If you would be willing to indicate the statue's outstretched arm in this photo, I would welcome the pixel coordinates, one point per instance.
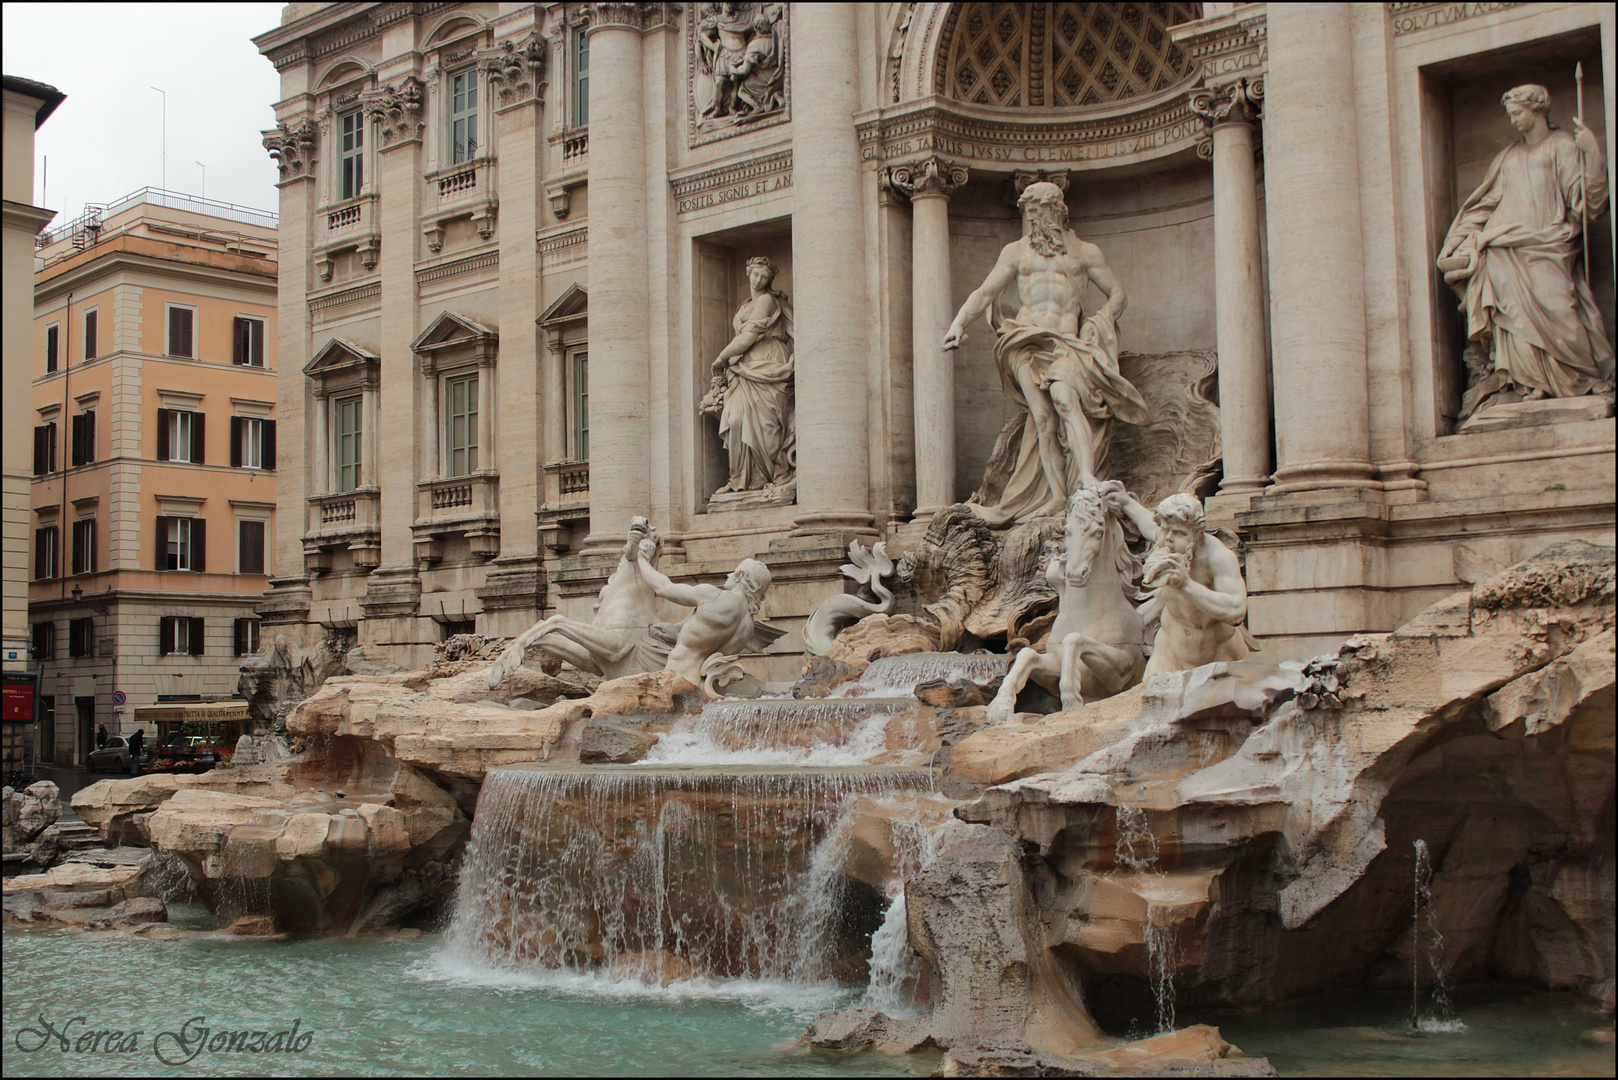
(1003, 274)
(684, 595)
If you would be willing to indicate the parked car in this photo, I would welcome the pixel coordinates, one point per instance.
(113, 756)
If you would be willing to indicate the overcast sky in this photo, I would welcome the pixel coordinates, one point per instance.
(106, 140)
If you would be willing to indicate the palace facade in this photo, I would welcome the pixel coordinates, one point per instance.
(514, 238)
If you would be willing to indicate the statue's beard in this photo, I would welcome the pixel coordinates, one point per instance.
(1046, 235)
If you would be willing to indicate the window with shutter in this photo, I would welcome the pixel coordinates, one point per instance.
(90, 335)
(180, 320)
(247, 637)
(80, 637)
(249, 342)
(44, 641)
(84, 437)
(250, 547)
(84, 546)
(196, 636)
(45, 552)
(45, 449)
(198, 442)
(53, 336)
(269, 444)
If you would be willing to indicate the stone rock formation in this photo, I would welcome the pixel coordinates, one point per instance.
(1248, 830)
(30, 827)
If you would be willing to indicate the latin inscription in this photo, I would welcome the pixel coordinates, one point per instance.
(1447, 13)
(748, 190)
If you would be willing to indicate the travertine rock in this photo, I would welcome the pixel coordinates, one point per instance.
(1261, 819)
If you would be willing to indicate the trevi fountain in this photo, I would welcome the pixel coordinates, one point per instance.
(1059, 775)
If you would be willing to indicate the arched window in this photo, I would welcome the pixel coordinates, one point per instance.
(1034, 55)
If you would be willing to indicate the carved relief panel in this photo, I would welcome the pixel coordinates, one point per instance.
(736, 61)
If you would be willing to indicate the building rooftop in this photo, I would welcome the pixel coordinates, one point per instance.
(49, 96)
(168, 215)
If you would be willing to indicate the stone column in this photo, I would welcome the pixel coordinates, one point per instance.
(929, 183)
(1317, 273)
(1244, 385)
(371, 442)
(433, 464)
(620, 411)
(828, 270)
(486, 456)
(322, 469)
(555, 397)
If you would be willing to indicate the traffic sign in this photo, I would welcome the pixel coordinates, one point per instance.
(118, 697)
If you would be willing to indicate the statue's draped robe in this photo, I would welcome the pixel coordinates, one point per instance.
(757, 424)
(1014, 483)
(1526, 295)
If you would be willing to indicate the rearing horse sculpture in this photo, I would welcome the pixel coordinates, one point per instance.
(624, 638)
(1097, 645)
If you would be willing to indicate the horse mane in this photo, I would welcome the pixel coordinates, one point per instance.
(1090, 501)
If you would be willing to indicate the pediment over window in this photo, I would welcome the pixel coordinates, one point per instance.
(451, 329)
(572, 305)
(338, 355)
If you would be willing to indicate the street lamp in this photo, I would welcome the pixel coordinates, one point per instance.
(78, 593)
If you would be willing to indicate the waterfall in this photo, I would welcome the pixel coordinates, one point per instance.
(663, 873)
(1136, 851)
(1428, 943)
(900, 675)
(824, 732)
(894, 967)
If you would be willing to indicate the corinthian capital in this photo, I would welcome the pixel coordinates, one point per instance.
(928, 177)
(1237, 103)
(632, 16)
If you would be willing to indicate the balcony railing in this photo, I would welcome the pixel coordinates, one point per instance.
(567, 490)
(466, 182)
(575, 149)
(458, 499)
(352, 519)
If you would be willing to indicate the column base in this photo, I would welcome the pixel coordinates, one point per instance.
(1319, 475)
(853, 523)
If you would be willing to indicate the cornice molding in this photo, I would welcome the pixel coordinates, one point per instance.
(1004, 140)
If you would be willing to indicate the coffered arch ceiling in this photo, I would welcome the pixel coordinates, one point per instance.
(1059, 55)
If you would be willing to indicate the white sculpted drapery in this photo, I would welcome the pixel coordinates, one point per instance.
(1063, 375)
(1519, 234)
(752, 388)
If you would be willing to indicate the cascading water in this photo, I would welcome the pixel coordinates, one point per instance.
(917, 839)
(664, 873)
(824, 732)
(900, 675)
(1137, 853)
(1427, 943)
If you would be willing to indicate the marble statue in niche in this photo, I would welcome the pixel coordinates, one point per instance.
(751, 392)
(1059, 367)
(1198, 602)
(1532, 324)
(740, 75)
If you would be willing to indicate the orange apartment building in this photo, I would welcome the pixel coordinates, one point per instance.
(153, 498)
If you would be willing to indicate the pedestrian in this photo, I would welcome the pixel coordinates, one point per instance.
(101, 736)
(137, 742)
